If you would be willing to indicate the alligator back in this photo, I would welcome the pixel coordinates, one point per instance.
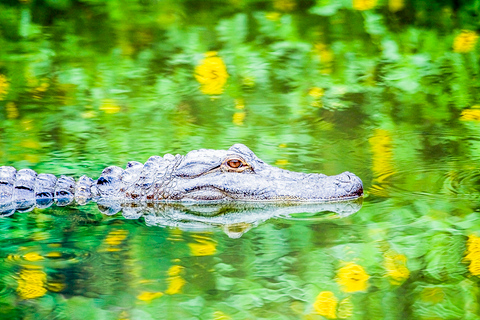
(24, 189)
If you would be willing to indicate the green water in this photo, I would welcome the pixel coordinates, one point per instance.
(388, 90)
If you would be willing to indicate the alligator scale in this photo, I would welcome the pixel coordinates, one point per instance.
(236, 174)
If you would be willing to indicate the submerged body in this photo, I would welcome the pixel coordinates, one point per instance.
(236, 174)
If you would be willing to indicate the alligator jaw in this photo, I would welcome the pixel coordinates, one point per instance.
(276, 186)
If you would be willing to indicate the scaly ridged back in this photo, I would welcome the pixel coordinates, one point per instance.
(24, 190)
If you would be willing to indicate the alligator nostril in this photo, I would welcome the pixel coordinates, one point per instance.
(350, 177)
(346, 177)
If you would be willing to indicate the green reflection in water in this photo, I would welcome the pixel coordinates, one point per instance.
(385, 89)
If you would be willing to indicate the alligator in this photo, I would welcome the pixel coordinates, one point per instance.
(236, 174)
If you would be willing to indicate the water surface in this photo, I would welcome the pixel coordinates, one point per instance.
(385, 89)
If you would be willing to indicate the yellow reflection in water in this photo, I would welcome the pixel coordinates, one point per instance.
(345, 308)
(316, 93)
(31, 283)
(381, 147)
(56, 286)
(273, 16)
(11, 109)
(473, 254)
(88, 114)
(248, 81)
(124, 315)
(326, 304)
(203, 246)
(32, 256)
(175, 235)
(149, 296)
(364, 4)
(432, 294)
(53, 254)
(175, 280)
(175, 270)
(326, 57)
(109, 106)
(114, 239)
(239, 104)
(396, 266)
(282, 162)
(465, 41)
(238, 118)
(352, 277)
(41, 89)
(30, 143)
(219, 315)
(471, 114)
(396, 5)
(284, 5)
(212, 74)
(3, 86)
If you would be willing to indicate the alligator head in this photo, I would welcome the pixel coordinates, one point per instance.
(238, 174)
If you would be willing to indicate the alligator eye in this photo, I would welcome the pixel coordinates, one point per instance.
(234, 163)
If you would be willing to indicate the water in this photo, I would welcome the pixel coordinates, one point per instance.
(387, 90)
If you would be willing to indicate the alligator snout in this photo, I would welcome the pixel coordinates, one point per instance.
(350, 183)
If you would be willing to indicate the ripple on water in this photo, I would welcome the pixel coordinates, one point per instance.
(409, 162)
(452, 180)
(463, 183)
(48, 257)
(5, 290)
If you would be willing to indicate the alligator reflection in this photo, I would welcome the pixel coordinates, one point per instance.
(234, 218)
